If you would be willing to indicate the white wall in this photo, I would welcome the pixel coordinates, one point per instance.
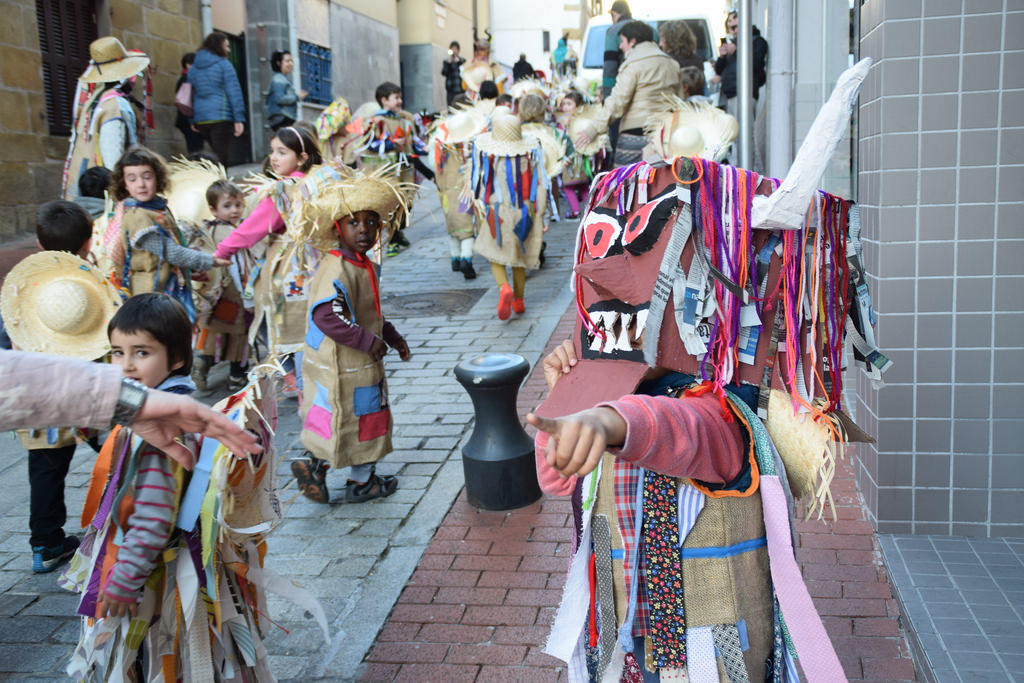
(517, 27)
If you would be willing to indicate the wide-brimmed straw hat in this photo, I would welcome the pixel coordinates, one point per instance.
(460, 126)
(475, 73)
(187, 182)
(584, 121)
(554, 149)
(527, 86)
(55, 302)
(333, 191)
(505, 138)
(692, 129)
(110, 62)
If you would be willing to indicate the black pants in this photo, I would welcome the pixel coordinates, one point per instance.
(422, 168)
(218, 134)
(47, 468)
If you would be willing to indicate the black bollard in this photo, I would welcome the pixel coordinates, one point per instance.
(498, 459)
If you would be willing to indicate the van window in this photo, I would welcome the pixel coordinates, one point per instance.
(593, 58)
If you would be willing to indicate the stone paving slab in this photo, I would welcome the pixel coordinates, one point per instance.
(355, 558)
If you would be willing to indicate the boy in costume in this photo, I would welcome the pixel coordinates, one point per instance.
(726, 314)
(346, 417)
(55, 302)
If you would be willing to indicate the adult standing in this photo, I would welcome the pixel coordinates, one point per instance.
(646, 78)
(193, 140)
(678, 42)
(282, 101)
(104, 122)
(218, 109)
(452, 72)
(522, 69)
(613, 56)
(726, 66)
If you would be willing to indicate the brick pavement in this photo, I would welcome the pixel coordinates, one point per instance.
(480, 602)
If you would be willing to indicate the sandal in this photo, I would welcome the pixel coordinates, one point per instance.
(311, 476)
(374, 487)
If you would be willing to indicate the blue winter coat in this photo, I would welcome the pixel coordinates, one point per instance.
(216, 95)
(281, 97)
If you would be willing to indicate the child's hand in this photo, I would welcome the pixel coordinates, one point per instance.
(377, 349)
(402, 348)
(108, 607)
(578, 441)
(559, 362)
(221, 262)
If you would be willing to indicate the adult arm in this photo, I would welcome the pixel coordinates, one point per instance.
(172, 252)
(612, 60)
(617, 103)
(263, 221)
(82, 393)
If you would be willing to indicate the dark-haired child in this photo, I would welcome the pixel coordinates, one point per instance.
(143, 246)
(391, 138)
(92, 188)
(61, 225)
(222, 332)
(293, 152)
(133, 498)
(345, 412)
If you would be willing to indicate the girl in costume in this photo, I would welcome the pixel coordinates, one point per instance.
(582, 161)
(346, 417)
(143, 248)
(508, 187)
(450, 149)
(279, 287)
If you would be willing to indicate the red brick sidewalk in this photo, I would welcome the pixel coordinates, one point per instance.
(479, 604)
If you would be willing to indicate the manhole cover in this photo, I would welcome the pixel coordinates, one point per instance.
(446, 302)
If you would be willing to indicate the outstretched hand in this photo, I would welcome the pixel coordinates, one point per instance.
(163, 418)
(577, 441)
(108, 607)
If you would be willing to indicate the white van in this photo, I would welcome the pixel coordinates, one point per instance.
(592, 53)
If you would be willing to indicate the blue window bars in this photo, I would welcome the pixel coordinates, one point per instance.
(315, 72)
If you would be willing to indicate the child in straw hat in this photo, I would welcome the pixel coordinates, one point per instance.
(508, 187)
(345, 412)
(55, 302)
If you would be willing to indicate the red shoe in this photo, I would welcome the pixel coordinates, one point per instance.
(518, 305)
(504, 302)
(289, 388)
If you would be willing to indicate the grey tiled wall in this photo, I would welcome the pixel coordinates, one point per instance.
(941, 156)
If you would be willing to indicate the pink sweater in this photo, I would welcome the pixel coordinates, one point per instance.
(680, 437)
(264, 220)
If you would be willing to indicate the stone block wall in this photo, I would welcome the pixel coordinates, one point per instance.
(32, 160)
(941, 180)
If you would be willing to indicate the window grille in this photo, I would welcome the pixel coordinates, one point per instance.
(315, 72)
(66, 27)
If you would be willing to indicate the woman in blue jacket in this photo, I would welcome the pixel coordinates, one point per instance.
(218, 108)
(282, 100)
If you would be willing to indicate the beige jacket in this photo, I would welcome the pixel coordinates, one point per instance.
(646, 76)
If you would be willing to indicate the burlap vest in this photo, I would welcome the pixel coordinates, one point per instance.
(85, 148)
(146, 269)
(450, 178)
(346, 417)
(509, 251)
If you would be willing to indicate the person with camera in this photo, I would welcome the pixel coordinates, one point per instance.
(451, 70)
(726, 67)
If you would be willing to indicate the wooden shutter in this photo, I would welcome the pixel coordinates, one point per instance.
(66, 27)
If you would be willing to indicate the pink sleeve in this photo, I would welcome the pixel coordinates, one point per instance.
(551, 482)
(681, 437)
(263, 221)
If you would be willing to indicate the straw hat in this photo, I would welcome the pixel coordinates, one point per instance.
(330, 192)
(692, 129)
(332, 121)
(55, 302)
(585, 121)
(476, 73)
(460, 126)
(529, 86)
(110, 62)
(187, 182)
(554, 149)
(505, 138)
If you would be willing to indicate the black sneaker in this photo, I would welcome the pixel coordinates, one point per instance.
(47, 559)
(311, 475)
(467, 269)
(400, 239)
(375, 487)
(456, 265)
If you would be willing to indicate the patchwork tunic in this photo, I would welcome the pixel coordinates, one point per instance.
(345, 412)
(512, 230)
(222, 333)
